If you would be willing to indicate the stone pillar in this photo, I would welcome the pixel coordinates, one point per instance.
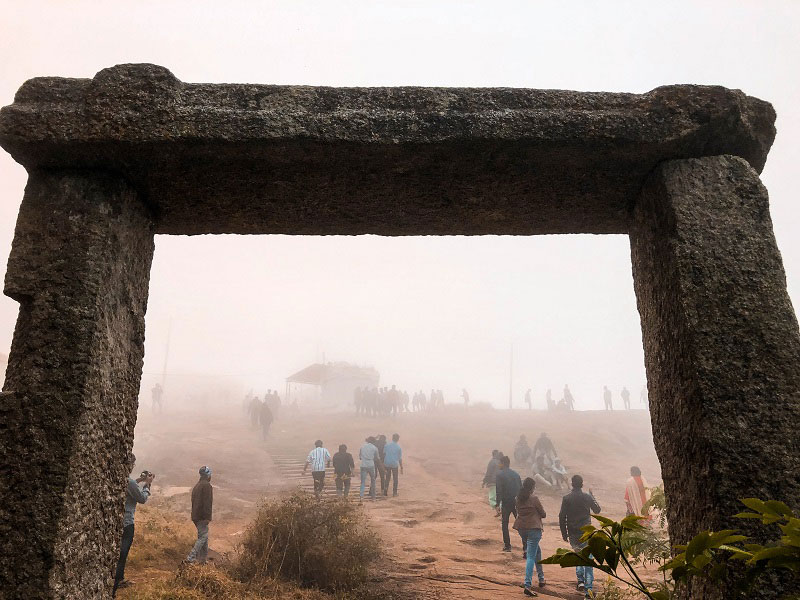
(79, 267)
(722, 349)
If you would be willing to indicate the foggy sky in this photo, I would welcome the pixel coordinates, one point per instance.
(426, 312)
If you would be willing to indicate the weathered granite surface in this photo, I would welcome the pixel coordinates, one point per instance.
(79, 267)
(396, 161)
(722, 347)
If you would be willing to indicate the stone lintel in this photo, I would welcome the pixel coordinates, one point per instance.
(236, 158)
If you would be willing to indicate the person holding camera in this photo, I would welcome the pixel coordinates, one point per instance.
(134, 495)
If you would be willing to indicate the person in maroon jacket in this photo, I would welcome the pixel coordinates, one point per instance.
(530, 513)
(202, 500)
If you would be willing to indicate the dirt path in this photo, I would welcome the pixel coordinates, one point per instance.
(439, 533)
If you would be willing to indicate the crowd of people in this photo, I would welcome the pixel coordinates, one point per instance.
(374, 402)
(378, 459)
(509, 494)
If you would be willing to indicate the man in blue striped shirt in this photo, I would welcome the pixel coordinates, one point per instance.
(318, 458)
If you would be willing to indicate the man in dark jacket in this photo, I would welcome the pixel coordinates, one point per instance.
(202, 500)
(576, 509)
(508, 485)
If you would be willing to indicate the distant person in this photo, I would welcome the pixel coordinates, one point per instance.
(380, 444)
(522, 451)
(265, 419)
(559, 473)
(551, 404)
(202, 504)
(158, 395)
(490, 478)
(318, 458)
(392, 461)
(544, 447)
(133, 495)
(626, 398)
(643, 399)
(570, 401)
(275, 405)
(529, 399)
(368, 454)
(528, 524)
(607, 398)
(254, 411)
(508, 486)
(343, 466)
(637, 493)
(576, 509)
(542, 472)
(358, 400)
(465, 396)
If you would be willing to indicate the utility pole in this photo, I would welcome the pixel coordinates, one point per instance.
(511, 378)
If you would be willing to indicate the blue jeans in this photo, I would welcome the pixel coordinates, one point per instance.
(199, 551)
(530, 541)
(585, 574)
(364, 472)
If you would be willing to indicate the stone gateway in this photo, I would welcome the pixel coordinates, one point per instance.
(133, 152)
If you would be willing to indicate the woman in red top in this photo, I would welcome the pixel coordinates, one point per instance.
(530, 513)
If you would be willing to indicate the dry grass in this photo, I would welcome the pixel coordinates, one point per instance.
(292, 549)
(326, 543)
(162, 540)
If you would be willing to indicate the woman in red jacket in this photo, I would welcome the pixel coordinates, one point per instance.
(530, 513)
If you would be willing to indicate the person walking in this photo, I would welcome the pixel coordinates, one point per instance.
(528, 524)
(343, 466)
(490, 478)
(202, 503)
(368, 454)
(637, 493)
(576, 509)
(607, 398)
(318, 458)
(626, 398)
(133, 495)
(393, 460)
(508, 486)
(380, 468)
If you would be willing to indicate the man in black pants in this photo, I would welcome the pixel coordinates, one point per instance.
(508, 486)
(133, 495)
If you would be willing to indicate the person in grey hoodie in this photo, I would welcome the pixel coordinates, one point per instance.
(133, 495)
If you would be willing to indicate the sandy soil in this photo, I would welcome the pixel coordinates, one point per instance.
(440, 531)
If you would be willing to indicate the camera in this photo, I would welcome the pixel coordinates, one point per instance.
(146, 474)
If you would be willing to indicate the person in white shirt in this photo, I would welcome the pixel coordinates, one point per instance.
(318, 458)
(368, 455)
